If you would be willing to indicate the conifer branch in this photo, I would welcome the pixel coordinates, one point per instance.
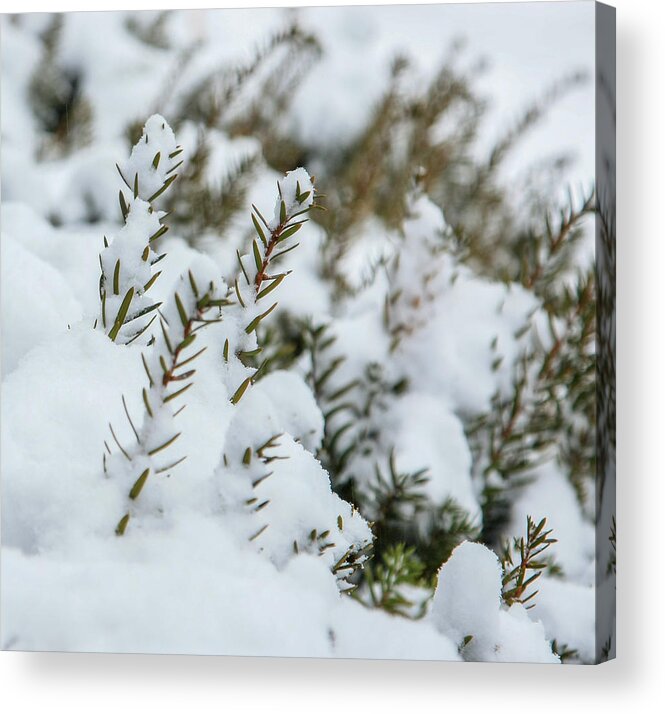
(295, 198)
(397, 583)
(122, 289)
(522, 557)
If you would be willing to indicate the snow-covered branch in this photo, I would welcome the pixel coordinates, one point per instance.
(127, 260)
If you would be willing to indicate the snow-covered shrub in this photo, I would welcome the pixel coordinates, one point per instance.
(301, 512)
(279, 429)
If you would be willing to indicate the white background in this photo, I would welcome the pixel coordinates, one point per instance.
(124, 683)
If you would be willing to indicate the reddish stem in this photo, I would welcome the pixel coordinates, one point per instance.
(274, 239)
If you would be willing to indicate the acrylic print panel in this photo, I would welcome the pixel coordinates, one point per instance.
(308, 326)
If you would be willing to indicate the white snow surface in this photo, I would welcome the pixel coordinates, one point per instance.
(467, 603)
(196, 607)
(156, 145)
(550, 493)
(50, 302)
(296, 192)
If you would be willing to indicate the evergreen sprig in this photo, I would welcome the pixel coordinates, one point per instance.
(397, 583)
(351, 564)
(395, 497)
(334, 399)
(443, 528)
(352, 561)
(401, 512)
(372, 175)
(350, 408)
(272, 242)
(546, 251)
(522, 565)
(123, 285)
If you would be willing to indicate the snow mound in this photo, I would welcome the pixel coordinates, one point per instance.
(151, 161)
(467, 604)
(37, 303)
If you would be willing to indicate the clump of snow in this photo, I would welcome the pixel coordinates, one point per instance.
(53, 487)
(127, 269)
(418, 273)
(37, 303)
(296, 192)
(151, 163)
(467, 604)
(466, 317)
(128, 246)
(283, 481)
(429, 435)
(300, 414)
(567, 611)
(425, 222)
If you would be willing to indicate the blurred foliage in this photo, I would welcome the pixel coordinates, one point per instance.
(150, 29)
(397, 583)
(241, 101)
(63, 113)
(550, 412)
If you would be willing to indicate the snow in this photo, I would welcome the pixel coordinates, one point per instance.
(300, 415)
(72, 251)
(156, 145)
(429, 435)
(467, 602)
(197, 608)
(567, 611)
(17, 119)
(79, 552)
(53, 490)
(296, 191)
(142, 222)
(551, 494)
(469, 315)
(33, 312)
